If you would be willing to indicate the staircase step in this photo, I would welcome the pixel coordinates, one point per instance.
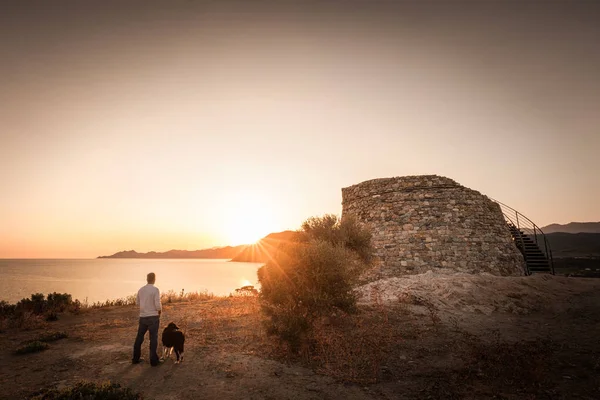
(534, 250)
(528, 244)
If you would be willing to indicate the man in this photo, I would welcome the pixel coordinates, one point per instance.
(148, 299)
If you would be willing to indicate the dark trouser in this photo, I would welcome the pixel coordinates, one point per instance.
(147, 324)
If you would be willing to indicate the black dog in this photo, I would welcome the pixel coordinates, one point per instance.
(173, 338)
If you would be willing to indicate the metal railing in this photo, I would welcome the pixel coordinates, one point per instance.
(528, 228)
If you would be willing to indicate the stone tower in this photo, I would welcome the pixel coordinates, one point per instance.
(430, 222)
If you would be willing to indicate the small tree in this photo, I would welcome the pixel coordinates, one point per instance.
(314, 276)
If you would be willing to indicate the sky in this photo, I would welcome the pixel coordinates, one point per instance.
(192, 124)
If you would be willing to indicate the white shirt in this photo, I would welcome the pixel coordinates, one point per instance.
(148, 298)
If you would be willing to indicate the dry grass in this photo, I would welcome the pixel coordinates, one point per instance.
(53, 336)
(32, 347)
(25, 321)
(166, 298)
(174, 297)
(353, 348)
(231, 321)
(524, 367)
(407, 346)
(350, 348)
(89, 390)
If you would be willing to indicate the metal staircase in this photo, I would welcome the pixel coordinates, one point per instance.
(530, 240)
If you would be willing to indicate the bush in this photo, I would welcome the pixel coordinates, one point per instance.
(6, 309)
(314, 277)
(59, 302)
(89, 390)
(346, 232)
(28, 313)
(51, 316)
(38, 305)
(248, 290)
(32, 347)
(51, 337)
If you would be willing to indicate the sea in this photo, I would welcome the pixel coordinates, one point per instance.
(93, 280)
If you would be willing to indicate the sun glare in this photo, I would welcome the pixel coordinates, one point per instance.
(245, 282)
(248, 219)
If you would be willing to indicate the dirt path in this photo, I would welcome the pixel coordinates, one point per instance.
(228, 355)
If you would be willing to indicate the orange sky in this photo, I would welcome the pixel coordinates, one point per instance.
(186, 125)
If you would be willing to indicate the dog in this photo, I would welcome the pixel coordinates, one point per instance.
(173, 339)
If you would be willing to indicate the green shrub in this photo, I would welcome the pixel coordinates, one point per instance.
(6, 309)
(59, 301)
(346, 232)
(75, 306)
(51, 337)
(313, 277)
(32, 347)
(28, 313)
(51, 316)
(89, 390)
(38, 304)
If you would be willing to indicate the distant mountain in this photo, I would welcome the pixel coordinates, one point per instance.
(218, 252)
(573, 227)
(574, 244)
(261, 250)
(257, 252)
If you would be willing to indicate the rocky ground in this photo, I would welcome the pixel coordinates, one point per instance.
(419, 337)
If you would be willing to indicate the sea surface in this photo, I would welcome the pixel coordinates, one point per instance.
(103, 279)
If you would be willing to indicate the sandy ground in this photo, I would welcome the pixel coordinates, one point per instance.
(466, 295)
(443, 327)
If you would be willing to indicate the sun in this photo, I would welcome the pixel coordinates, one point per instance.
(249, 218)
(246, 232)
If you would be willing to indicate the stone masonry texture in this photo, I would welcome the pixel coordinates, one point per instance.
(430, 222)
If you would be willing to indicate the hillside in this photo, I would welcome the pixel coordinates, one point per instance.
(218, 252)
(574, 244)
(257, 252)
(573, 227)
(260, 251)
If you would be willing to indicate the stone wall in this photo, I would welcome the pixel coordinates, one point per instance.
(430, 222)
